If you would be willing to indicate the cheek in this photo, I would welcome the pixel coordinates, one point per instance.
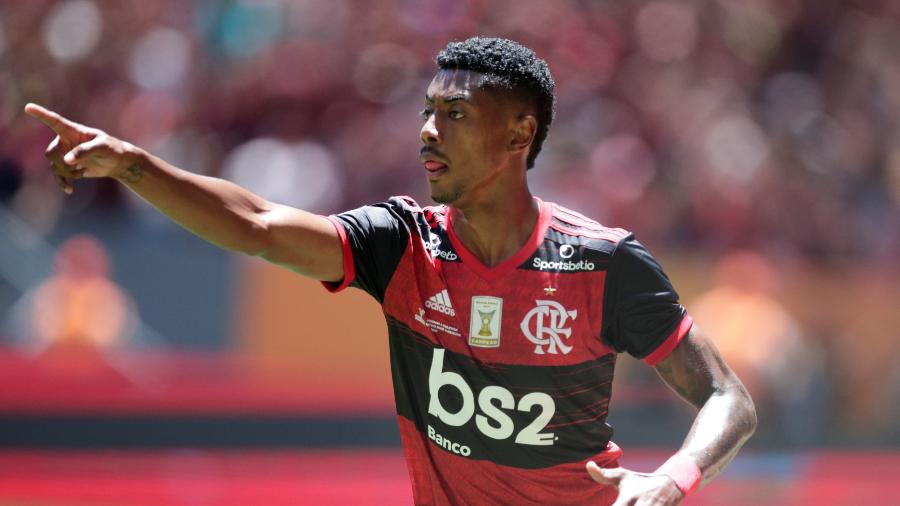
(494, 142)
(484, 135)
(481, 143)
(496, 133)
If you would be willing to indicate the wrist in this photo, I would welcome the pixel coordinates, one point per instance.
(132, 166)
(683, 471)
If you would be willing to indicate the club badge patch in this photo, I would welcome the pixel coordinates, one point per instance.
(549, 319)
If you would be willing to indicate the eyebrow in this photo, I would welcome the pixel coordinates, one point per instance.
(464, 97)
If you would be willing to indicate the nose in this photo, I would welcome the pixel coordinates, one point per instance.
(429, 133)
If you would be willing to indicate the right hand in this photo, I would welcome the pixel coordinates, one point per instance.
(80, 151)
(640, 489)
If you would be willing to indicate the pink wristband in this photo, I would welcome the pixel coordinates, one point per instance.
(683, 471)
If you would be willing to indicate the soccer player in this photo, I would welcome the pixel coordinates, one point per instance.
(505, 313)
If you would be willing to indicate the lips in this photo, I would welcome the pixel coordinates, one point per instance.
(434, 166)
(435, 163)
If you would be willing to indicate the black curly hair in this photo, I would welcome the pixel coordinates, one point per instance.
(507, 65)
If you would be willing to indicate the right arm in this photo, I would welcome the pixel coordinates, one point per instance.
(219, 211)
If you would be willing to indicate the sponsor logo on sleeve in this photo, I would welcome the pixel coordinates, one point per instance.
(433, 244)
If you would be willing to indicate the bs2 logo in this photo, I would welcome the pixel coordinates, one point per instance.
(493, 403)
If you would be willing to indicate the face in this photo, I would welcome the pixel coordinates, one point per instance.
(465, 137)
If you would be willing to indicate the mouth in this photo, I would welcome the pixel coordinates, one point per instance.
(434, 167)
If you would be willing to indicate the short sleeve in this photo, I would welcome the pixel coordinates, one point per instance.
(373, 240)
(641, 311)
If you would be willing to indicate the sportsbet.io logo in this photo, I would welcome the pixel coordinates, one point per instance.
(433, 244)
(551, 265)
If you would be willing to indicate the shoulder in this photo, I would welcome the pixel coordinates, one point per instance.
(571, 227)
(398, 209)
(405, 205)
(418, 217)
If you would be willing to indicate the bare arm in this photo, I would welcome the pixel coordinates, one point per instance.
(219, 211)
(726, 417)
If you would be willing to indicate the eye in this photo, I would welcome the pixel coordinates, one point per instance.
(455, 115)
(426, 112)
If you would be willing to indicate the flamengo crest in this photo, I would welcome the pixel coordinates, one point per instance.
(549, 321)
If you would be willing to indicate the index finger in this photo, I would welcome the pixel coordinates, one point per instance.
(57, 123)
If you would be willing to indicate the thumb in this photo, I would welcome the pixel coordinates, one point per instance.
(605, 476)
(83, 151)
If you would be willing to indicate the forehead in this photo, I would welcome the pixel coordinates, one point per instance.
(449, 85)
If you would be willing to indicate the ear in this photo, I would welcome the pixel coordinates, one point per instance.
(523, 132)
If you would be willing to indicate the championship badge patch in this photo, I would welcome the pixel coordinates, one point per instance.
(484, 322)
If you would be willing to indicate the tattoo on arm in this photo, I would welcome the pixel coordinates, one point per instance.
(697, 372)
(691, 376)
(133, 174)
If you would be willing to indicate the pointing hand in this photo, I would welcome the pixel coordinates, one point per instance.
(81, 151)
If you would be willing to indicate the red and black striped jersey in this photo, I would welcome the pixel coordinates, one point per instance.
(502, 375)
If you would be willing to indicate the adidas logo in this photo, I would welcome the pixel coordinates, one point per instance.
(441, 302)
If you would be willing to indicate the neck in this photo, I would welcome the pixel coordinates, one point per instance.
(494, 229)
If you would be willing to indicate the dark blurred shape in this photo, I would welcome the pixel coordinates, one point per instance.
(10, 178)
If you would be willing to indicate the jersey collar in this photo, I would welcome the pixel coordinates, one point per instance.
(475, 265)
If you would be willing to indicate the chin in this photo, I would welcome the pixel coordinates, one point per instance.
(441, 198)
(446, 197)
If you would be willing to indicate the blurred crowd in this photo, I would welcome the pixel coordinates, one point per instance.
(708, 126)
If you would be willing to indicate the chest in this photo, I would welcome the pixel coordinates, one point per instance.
(528, 316)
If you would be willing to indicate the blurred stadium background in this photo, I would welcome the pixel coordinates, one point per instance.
(753, 146)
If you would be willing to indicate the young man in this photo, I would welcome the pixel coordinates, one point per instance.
(504, 312)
